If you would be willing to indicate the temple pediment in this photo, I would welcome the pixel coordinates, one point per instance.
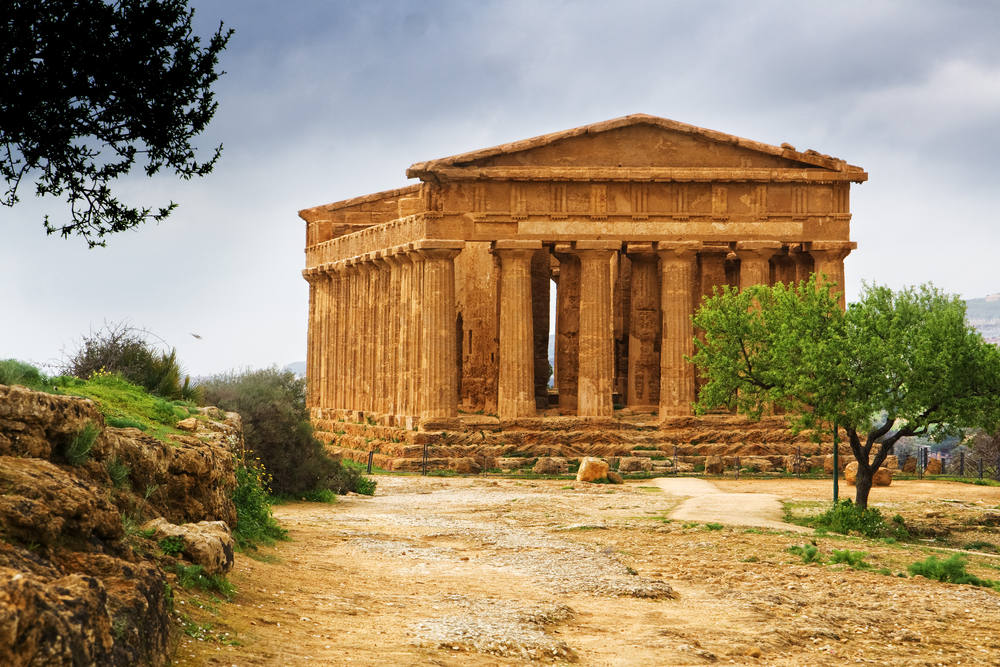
(637, 142)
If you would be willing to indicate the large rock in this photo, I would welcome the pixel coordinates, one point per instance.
(551, 465)
(206, 543)
(933, 467)
(842, 461)
(756, 463)
(36, 424)
(513, 463)
(891, 462)
(592, 470)
(635, 464)
(882, 477)
(910, 465)
(713, 465)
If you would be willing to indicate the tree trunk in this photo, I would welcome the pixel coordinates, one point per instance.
(863, 484)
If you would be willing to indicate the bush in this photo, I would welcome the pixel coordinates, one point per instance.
(124, 350)
(809, 553)
(277, 431)
(13, 371)
(254, 521)
(846, 517)
(951, 570)
(855, 559)
(118, 472)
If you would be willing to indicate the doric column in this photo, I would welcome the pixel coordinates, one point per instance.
(380, 340)
(363, 332)
(312, 337)
(323, 351)
(516, 388)
(596, 370)
(329, 335)
(439, 388)
(416, 380)
(829, 259)
(755, 261)
(405, 372)
(337, 338)
(643, 328)
(394, 333)
(357, 323)
(678, 264)
(567, 327)
(803, 262)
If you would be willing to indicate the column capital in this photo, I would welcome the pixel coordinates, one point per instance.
(678, 249)
(438, 253)
(759, 248)
(607, 246)
(644, 250)
(438, 244)
(833, 250)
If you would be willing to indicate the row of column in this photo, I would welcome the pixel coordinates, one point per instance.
(381, 333)
(667, 281)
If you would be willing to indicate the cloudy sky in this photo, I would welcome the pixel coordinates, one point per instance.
(328, 100)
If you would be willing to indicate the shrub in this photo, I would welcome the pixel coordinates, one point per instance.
(13, 371)
(277, 431)
(855, 559)
(846, 517)
(193, 576)
(809, 553)
(951, 570)
(124, 350)
(118, 472)
(78, 450)
(254, 521)
(171, 545)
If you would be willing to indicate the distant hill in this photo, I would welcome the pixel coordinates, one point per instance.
(984, 315)
(297, 367)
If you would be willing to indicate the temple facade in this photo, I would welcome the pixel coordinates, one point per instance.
(431, 302)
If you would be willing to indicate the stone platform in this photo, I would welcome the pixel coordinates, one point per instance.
(476, 442)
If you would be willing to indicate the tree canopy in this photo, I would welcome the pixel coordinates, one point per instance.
(89, 86)
(895, 364)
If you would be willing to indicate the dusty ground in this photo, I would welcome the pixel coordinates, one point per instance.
(474, 571)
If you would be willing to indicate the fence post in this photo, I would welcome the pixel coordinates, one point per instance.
(798, 461)
(737, 467)
(677, 467)
(996, 472)
(980, 467)
(371, 455)
(424, 462)
(961, 464)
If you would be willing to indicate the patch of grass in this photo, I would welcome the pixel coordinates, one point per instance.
(172, 545)
(980, 545)
(566, 488)
(122, 402)
(650, 489)
(125, 422)
(14, 372)
(750, 559)
(77, 452)
(845, 517)
(118, 472)
(714, 526)
(255, 524)
(854, 559)
(194, 576)
(950, 570)
(809, 553)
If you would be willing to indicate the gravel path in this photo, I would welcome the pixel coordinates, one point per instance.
(704, 502)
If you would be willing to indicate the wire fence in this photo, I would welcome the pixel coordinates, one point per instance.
(924, 463)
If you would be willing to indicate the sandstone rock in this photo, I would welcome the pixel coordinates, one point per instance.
(466, 465)
(206, 543)
(591, 470)
(189, 424)
(910, 465)
(882, 477)
(615, 478)
(634, 464)
(842, 461)
(514, 463)
(851, 472)
(41, 503)
(713, 465)
(34, 423)
(933, 467)
(683, 467)
(550, 465)
(891, 462)
(60, 622)
(758, 463)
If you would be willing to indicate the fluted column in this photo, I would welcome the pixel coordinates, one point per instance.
(312, 335)
(678, 264)
(416, 379)
(329, 335)
(567, 328)
(379, 340)
(439, 389)
(643, 390)
(516, 390)
(393, 333)
(404, 376)
(596, 374)
(755, 261)
(829, 263)
(804, 264)
(336, 341)
(353, 384)
(325, 301)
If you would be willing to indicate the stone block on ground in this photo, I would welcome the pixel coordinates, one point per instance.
(910, 465)
(757, 463)
(514, 463)
(615, 478)
(550, 465)
(713, 465)
(933, 467)
(591, 470)
(206, 543)
(466, 465)
(635, 464)
(883, 477)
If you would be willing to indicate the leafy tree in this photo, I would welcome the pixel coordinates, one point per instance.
(895, 364)
(87, 86)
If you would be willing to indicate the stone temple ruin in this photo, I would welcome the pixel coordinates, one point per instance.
(429, 305)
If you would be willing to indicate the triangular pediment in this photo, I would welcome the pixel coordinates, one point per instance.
(637, 141)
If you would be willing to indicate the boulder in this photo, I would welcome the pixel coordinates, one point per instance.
(842, 462)
(550, 465)
(757, 463)
(635, 464)
(591, 470)
(933, 467)
(36, 424)
(206, 543)
(466, 465)
(615, 478)
(882, 477)
(891, 462)
(851, 472)
(189, 424)
(713, 465)
(910, 465)
(683, 467)
(513, 463)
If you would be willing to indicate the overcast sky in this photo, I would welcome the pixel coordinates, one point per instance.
(328, 100)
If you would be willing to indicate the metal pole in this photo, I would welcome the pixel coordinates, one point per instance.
(798, 461)
(677, 467)
(980, 467)
(424, 462)
(836, 465)
(996, 473)
(961, 464)
(371, 455)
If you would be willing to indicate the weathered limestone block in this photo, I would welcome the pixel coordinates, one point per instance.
(189, 424)
(592, 470)
(35, 424)
(891, 462)
(615, 478)
(842, 462)
(758, 463)
(634, 464)
(910, 465)
(933, 467)
(514, 463)
(882, 477)
(550, 465)
(466, 465)
(206, 543)
(713, 465)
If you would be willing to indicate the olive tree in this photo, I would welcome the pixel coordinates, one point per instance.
(895, 364)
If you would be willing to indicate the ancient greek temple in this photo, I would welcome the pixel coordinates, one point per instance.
(429, 305)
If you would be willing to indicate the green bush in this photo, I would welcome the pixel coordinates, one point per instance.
(855, 559)
(118, 472)
(77, 451)
(172, 545)
(193, 576)
(809, 553)
(950, 570)
(254, 522)
(13, 371)
(845, 517)
(276, 428)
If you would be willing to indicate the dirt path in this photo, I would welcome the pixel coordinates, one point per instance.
(473, 571)
(704, 502)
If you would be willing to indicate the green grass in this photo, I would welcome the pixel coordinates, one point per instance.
(980, 545)
(194, 576)
(809, 553)
(77, 451)
(950, 570)
(14, 372)
(255, 525)
(118, 472)
(854, 559)
(172, 545)
(714, 526)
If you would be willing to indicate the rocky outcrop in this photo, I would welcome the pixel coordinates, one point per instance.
(74, 589)
(635, 464)
(550, 465)
(206, 543)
